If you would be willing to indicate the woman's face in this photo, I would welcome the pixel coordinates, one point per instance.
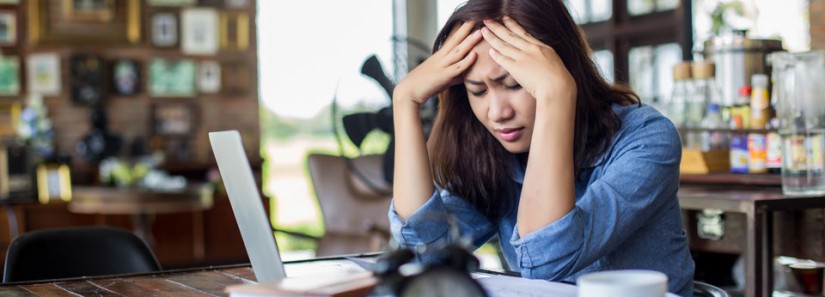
(498, 101)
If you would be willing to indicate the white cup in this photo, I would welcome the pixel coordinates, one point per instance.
(623, 283)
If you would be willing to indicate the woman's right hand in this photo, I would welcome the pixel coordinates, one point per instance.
(442, 69)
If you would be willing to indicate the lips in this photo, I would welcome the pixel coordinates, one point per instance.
(510, 134)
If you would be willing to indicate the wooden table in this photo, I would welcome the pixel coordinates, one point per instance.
(141, 204)
(758, 205)
(209, 281)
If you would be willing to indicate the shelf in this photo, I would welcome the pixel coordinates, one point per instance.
(770, 179)
(727, 130)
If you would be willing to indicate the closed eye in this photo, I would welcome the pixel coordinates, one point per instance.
(478, 94)
(513, 87)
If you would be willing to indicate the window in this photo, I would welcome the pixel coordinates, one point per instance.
(637, 42)
(303, 65)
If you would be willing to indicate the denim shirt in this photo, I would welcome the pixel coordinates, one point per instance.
(626, 216)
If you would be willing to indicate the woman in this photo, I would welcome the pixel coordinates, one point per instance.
(531, 144)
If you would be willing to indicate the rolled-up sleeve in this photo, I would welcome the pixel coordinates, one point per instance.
(639, 178)
(431, 222)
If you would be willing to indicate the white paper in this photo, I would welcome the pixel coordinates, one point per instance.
(508, 286)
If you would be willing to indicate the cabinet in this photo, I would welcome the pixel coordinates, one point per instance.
(774, 224)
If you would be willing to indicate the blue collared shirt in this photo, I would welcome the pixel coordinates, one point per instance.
(627, 215)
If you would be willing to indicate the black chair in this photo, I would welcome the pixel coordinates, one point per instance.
(77, 252)
(701, 289)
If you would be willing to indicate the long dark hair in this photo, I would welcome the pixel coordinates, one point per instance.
(466, 159)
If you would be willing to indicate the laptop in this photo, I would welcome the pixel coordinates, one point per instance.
(246, 203)
(256, 230)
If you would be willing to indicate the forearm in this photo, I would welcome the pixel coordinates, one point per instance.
(413, 182)
(548, 192)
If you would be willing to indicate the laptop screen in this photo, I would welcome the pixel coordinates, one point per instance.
(246, 203)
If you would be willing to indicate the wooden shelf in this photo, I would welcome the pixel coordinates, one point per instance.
(771, 179)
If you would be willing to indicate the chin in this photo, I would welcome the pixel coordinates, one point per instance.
(516, 148)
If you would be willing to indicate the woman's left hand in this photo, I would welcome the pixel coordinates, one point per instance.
(533, 64)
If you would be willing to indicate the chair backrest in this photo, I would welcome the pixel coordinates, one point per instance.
(701, 289)
(351, 207)
(76, 252)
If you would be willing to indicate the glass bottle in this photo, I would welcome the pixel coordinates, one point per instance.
(704, 92)
(679, 95)
(712, 138)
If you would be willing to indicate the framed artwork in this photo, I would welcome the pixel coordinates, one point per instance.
(209, 77)
(199, 30)
(43, 74)
(9, 76)
(172, 2)
(164, 29)
(234, 31)
(237, 3)
(88, 79)
(57, 22)
(8, 28)
(236, 77)
(15, 173)
(171, 78)
(173, 119)
(9, 118)
(89, 10)
(53, 182)
(125, 77)
(211, 3)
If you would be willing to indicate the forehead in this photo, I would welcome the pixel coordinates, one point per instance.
(484, 66)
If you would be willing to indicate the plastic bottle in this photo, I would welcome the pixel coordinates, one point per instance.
(740, 119)
(760, 114)
(713, 140)
(760, 102)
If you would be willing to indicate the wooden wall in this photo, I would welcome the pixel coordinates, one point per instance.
(235, 106)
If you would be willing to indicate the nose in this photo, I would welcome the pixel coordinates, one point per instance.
(501, 108)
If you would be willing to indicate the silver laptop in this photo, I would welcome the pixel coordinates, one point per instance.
(246, 204)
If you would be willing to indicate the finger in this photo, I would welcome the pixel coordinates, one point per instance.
(506, 35)
(500, 59)
(499, 45)
(514, 26)
(461, 67)
(458, 35)
(466, 46)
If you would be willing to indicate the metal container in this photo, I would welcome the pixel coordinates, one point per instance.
(737, 58)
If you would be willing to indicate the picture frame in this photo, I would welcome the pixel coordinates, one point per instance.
(165, 29)
(9, 30)
(9, 76)
(89, 10)
(234, 31)
(59, 22)
(171, 78)
(172, 2)
(199, 31)
(211, 3)
(9, 118)
(43, 74)
(53, 182)
(88, 79)
(237, 3)
(16, 182)
(209, 77)
(173, 119)
(236, 77)
(126, 78)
